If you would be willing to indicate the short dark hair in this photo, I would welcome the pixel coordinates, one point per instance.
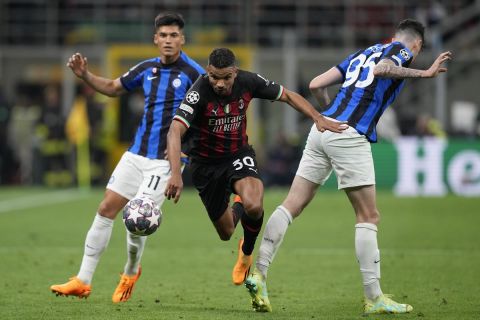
(169, 19)
(221, 58)
(414, 27)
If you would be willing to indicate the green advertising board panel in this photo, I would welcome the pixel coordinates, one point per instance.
(413, 166)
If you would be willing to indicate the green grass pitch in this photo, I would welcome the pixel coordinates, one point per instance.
(430, 250)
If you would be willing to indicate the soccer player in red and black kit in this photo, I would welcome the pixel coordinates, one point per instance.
(213, 114)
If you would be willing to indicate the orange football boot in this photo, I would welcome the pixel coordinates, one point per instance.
(74, 287)
(124, 290)
(242, 267)
(237, 198)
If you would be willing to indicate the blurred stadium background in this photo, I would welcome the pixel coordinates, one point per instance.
(54, 132)
(57, 135)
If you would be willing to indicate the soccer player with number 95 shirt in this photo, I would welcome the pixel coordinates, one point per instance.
(370, 80)
(212, 117)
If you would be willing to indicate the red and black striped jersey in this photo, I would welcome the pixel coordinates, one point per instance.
(217, 125)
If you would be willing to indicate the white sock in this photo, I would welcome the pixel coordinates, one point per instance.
(272, 238)
(95, 243)
(368, 256)
(135, 246)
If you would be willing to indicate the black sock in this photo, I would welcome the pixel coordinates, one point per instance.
(251, 229)
(238, 212)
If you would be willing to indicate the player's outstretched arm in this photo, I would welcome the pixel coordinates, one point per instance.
(174, 186)
(318, 86)
(437, 66)
(108, 87)
(301, 104)
(386, 68)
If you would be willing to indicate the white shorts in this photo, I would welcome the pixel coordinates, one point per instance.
(348, 153)
(135, 175)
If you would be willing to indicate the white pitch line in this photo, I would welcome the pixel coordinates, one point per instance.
(43, 199)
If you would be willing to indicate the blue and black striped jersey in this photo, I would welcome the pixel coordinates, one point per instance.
(164, 87)
(363, 98)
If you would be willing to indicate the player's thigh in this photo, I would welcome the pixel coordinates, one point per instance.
(351, 158)
(127, 176)
(250, 189)
(299, 196)
(244, 180)
(212, 185)
(315, 164)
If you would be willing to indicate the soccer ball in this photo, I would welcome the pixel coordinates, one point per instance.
(142, 216)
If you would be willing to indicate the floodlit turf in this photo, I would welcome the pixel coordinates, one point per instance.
(429, 249)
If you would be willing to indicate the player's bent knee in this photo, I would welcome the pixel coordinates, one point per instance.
(373, 217)
(108, 211)
(225, 236)
(253, 210)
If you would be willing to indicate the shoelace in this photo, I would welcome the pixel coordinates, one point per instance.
(125, 282)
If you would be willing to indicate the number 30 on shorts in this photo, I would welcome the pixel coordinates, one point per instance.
(246, 161)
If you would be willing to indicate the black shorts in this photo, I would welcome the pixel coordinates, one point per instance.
(214, 182)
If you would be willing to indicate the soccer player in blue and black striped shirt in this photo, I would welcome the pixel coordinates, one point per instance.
(142, 171)
(370, 80)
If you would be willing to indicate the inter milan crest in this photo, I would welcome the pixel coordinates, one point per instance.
(176, 83)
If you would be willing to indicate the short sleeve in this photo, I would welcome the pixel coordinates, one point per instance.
(399, 54)
(133, 77)
(190, 105)
(343, 66)
(264, 88)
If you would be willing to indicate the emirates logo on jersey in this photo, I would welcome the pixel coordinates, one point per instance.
(226, 124)
(193, 97)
